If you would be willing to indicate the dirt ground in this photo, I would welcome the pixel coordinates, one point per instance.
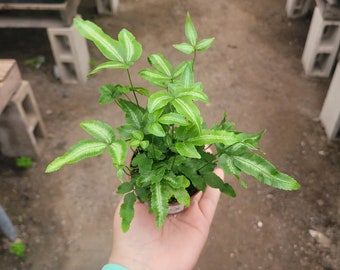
(254, 73)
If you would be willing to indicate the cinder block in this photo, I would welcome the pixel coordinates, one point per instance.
(10, 79)
(107, 6)
(330, 113)
(321, 47)
(22, 130)
(298, 8)
(70, 53)
(330, 10)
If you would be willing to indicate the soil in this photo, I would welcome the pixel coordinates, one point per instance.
(254, 72)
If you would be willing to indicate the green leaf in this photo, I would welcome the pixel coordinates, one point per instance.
(156, 129)
(187, 150)
(227, 165)
(161, 64)
(125, 187)
(190, 31)
(127, 211)
(264, 171)
(118, 151)
(134, 113)
(182, 196)
(180, 68)
(185, 132)
(214, 136)
(176, 182)
(137, 134)
(143, 162)
(108, 47)
(142, 91)
(110, 64)
(99, 130)
(126, 131)
(132, 48)
(193, 95)
(204, 44)
(184, 48)
(191, 173)
(159, 203)
(109, 93)
(172, 119)
(187, 108)
(155, 77)
(81, 150)
(145, 180)
(215, 182)
(158, 100)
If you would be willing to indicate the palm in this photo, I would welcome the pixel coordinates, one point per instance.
(180, 240)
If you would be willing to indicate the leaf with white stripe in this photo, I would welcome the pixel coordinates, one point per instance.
(159, 203)
(172, 119)
(264, 171)
(99, 130)
(204, 44)
(132, 48)
(159, 62)
(214, 136)
(187, 108)
(81, 150)
(184, 48)
(190, 31)
(110, 64)
(158, 100)
(155, 77)
(109, 47)
(118, 151)
(226, 163)
(186, 149)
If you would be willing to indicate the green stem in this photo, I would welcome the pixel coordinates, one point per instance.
(193, 60)
(133, 88)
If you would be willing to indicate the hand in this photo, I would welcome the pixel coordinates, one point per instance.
(177, 245)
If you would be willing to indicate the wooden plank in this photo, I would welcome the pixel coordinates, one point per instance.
(33, 6)
(30, 22)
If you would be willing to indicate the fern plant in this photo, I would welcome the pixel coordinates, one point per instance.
(168, 136)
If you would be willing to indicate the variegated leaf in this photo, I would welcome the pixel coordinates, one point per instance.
(81, 150)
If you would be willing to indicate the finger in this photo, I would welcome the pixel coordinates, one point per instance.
(210, 197)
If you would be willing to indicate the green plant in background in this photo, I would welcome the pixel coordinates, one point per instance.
(18, 248)
(36, 62)
(168, 136)
(23, 162)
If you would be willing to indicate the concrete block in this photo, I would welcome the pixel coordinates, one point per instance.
(330, 113)
(330, 10)
(70, 53)
(10, 79)
(22, 130)
(321, 47)
(107, 6)
(298, 8)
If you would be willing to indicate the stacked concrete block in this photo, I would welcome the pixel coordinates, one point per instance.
(321, 46)
(107, 6)
(22, 130)
(70, 53)
(298, 8)
(330, 113)
(330, 9)
(10, 79)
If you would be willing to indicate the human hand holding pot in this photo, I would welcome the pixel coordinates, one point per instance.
(176, 245)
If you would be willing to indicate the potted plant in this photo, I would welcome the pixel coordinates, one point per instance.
(167, 136)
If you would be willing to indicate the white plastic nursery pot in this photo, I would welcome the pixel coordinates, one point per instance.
(175, 208)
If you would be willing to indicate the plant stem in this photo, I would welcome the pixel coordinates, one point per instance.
(133, 88)
(193, 60)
